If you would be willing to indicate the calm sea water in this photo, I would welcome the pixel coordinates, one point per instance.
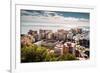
(25, 27)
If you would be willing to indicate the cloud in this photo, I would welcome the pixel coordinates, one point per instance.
(50, 17)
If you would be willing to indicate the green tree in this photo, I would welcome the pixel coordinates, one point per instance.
(28, 53)
(51, 57)
(67, 57)
(33, 53)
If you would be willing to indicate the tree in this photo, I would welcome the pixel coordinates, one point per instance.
(28, 53)
(51, 57)
(67, 57)
(34, 53)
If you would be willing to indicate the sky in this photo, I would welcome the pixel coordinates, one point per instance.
(31, 19)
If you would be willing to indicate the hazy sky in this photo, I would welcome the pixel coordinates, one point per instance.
(31, 19)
